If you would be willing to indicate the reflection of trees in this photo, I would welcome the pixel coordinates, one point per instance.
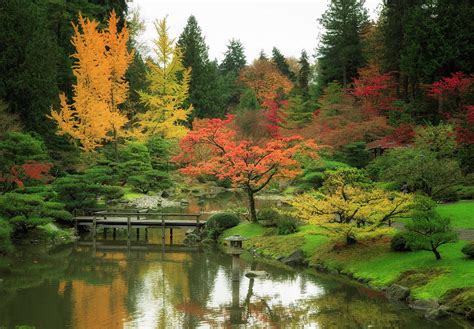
(33, 270)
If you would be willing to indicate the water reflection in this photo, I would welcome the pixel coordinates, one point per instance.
(113, 286)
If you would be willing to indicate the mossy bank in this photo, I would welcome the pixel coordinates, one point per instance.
(439, 287)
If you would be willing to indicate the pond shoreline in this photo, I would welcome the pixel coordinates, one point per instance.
(434, 309)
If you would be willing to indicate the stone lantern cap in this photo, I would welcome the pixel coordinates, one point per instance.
(235, 238)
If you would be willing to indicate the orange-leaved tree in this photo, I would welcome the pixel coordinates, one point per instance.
(212, 148)
(101, 60)
(265, 80)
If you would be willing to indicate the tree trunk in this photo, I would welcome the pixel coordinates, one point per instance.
(252, 211)
(436, 252)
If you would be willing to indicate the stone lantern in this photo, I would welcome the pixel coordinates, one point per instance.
(235, 249)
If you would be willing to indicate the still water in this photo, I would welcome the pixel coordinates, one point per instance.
(113, 285)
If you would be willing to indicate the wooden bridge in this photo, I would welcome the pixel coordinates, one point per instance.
(135, 218)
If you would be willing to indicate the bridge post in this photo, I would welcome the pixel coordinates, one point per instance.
(94, 225)
(163, 228)
(74, 213)
(129, 227)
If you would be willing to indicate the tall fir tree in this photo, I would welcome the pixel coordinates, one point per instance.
(234, 61)
(234, 57)
(303, 74)
(282, 65)
(340, 49)
(205, 79)
(28, 64)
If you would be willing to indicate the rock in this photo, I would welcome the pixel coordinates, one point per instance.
(397, 292)
(320, 268)
(165, 194)
(208, 242)
(294, 259)
(470, 315)
(257, 274)
(424, 304)
(437, 313)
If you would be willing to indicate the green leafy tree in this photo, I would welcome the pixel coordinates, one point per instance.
(429, 166)
(427, 230)
(340, 49)
(354, 154)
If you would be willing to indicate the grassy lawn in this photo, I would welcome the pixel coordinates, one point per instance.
(461, 213)
(130, 194)
(372, 259)
(382, 267)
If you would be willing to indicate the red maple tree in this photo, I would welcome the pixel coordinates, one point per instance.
(28, 170)
(212, 148)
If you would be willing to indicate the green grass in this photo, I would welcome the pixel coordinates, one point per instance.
(247, 230)
(373, 260)
(383, 267)
(461, 213)
(130, 194)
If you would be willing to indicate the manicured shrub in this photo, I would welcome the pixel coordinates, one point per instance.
(399, 242)
(468, 249)
(217, 223)
(286, 225)
(223, 220)
(268, 217)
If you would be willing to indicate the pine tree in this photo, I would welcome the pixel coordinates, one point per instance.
(168, 83)
(28, 64)
(234, 60)
(205, 80)
(303, 74)
(340, 50)
(234, 57)
(280, 62)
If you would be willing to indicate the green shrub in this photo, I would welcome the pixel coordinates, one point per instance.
(223, 220)
(448, 195)
(5, 237)
(465, 192)
(217, 223)
(468, 249)
(268, 217)
(399, 242)
(286, 225)
(315, 179)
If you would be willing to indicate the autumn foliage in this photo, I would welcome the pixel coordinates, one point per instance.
(265, 80)
(29, 170)
(101, 60)
(212, 148)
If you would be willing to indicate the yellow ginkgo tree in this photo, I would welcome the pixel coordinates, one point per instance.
(168, 88)
(349, 204)
(101, 61)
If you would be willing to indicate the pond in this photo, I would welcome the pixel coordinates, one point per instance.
(113, 284)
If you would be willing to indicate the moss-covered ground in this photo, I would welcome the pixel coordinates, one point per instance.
(372, 260)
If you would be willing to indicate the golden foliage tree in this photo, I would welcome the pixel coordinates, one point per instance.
(349, 204)
(168, 89)
(102, 58)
